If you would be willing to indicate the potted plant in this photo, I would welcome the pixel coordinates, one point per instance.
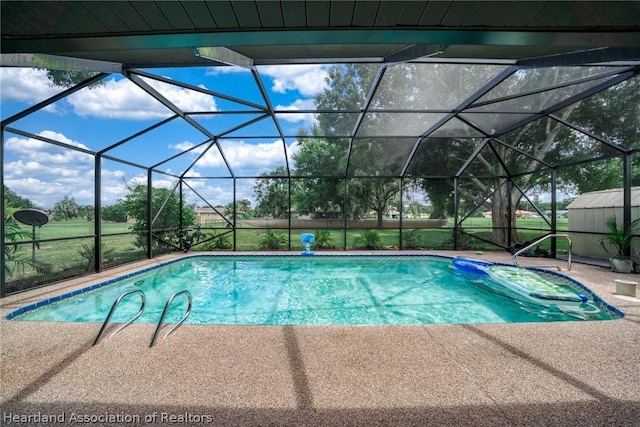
(620, 239)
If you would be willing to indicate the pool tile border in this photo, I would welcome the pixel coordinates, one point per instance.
(47, 301)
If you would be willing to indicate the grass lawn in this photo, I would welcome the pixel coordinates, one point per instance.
(72, 256)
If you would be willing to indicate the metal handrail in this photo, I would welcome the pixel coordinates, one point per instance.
(113, 307)
(526, 248)
(164, 313)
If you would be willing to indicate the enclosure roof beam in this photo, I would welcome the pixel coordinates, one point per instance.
(363, 111)
(53, 99)
(159, 97)
(496, 80)
(575, 98)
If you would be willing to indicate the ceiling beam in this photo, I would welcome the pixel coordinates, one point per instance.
(589, 56)
(97, 43)
(54, 62)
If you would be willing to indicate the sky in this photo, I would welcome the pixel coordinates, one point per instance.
(96, 119)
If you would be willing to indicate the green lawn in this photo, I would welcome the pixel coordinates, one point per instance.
(69, 257)
(74, 228)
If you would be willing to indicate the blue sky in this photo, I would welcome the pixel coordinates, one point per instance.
(97, 118)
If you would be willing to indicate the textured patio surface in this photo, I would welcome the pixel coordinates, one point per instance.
(564, 374)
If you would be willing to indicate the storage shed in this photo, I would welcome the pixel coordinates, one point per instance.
(588, 214)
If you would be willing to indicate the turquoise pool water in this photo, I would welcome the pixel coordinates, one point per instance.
(318, 290)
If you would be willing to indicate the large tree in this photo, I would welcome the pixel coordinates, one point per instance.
(116, 212)
(324, 150)
(66, 209)
(614, 115)
(519, 155)
(14, 202)
(272, 194)
(557, 144)
(323, 160)
(165, 214)
(242, 209)
(504, 167)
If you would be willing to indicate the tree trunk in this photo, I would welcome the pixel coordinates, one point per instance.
(379, 212)
(500, 218)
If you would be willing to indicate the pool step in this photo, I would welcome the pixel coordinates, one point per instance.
(164, 313)
(142, 304)
(113, 308)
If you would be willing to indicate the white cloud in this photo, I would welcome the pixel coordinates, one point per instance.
(134, 181)
(45, 173)
(225, 69)
(220, 192)
(45, 185)
(164, 183)
(244, 156)
(298, 105)
(115, 99)
(185, 99)
(48, 174)
(25, 85)
(214, 192)
(309, 80)
(186, 145)
(261, 156)
(29, 169)
(121, 99)
(113, 186)
(35, 150)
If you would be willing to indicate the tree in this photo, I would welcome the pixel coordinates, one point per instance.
(272, 194)
(13, 202)
(86, 212)
(620, 125)
(15, 258)
(322, 160)
(116, 213)
(323, 151)
(555, 143)
(244, 206)
(522, 151)
(436, 159)
(165, 207)
(69, 78)
(66, 209)
(243, 209)
(374, 194)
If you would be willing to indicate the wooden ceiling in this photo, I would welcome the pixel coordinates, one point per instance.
(166, 33)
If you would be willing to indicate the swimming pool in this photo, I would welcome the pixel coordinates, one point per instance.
(318, 290)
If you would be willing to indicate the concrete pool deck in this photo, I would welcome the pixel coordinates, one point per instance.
(565, 373)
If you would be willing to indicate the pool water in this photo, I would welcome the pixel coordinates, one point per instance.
(318, 290)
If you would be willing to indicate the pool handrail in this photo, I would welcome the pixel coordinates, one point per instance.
(113, 308)
(526, 248)
(164, 313)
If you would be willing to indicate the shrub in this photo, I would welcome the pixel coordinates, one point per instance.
(217, 242)
(271, 240)
(88, 252)
(16, 259)
(411, 239)
(369, 239)
(324, 240)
